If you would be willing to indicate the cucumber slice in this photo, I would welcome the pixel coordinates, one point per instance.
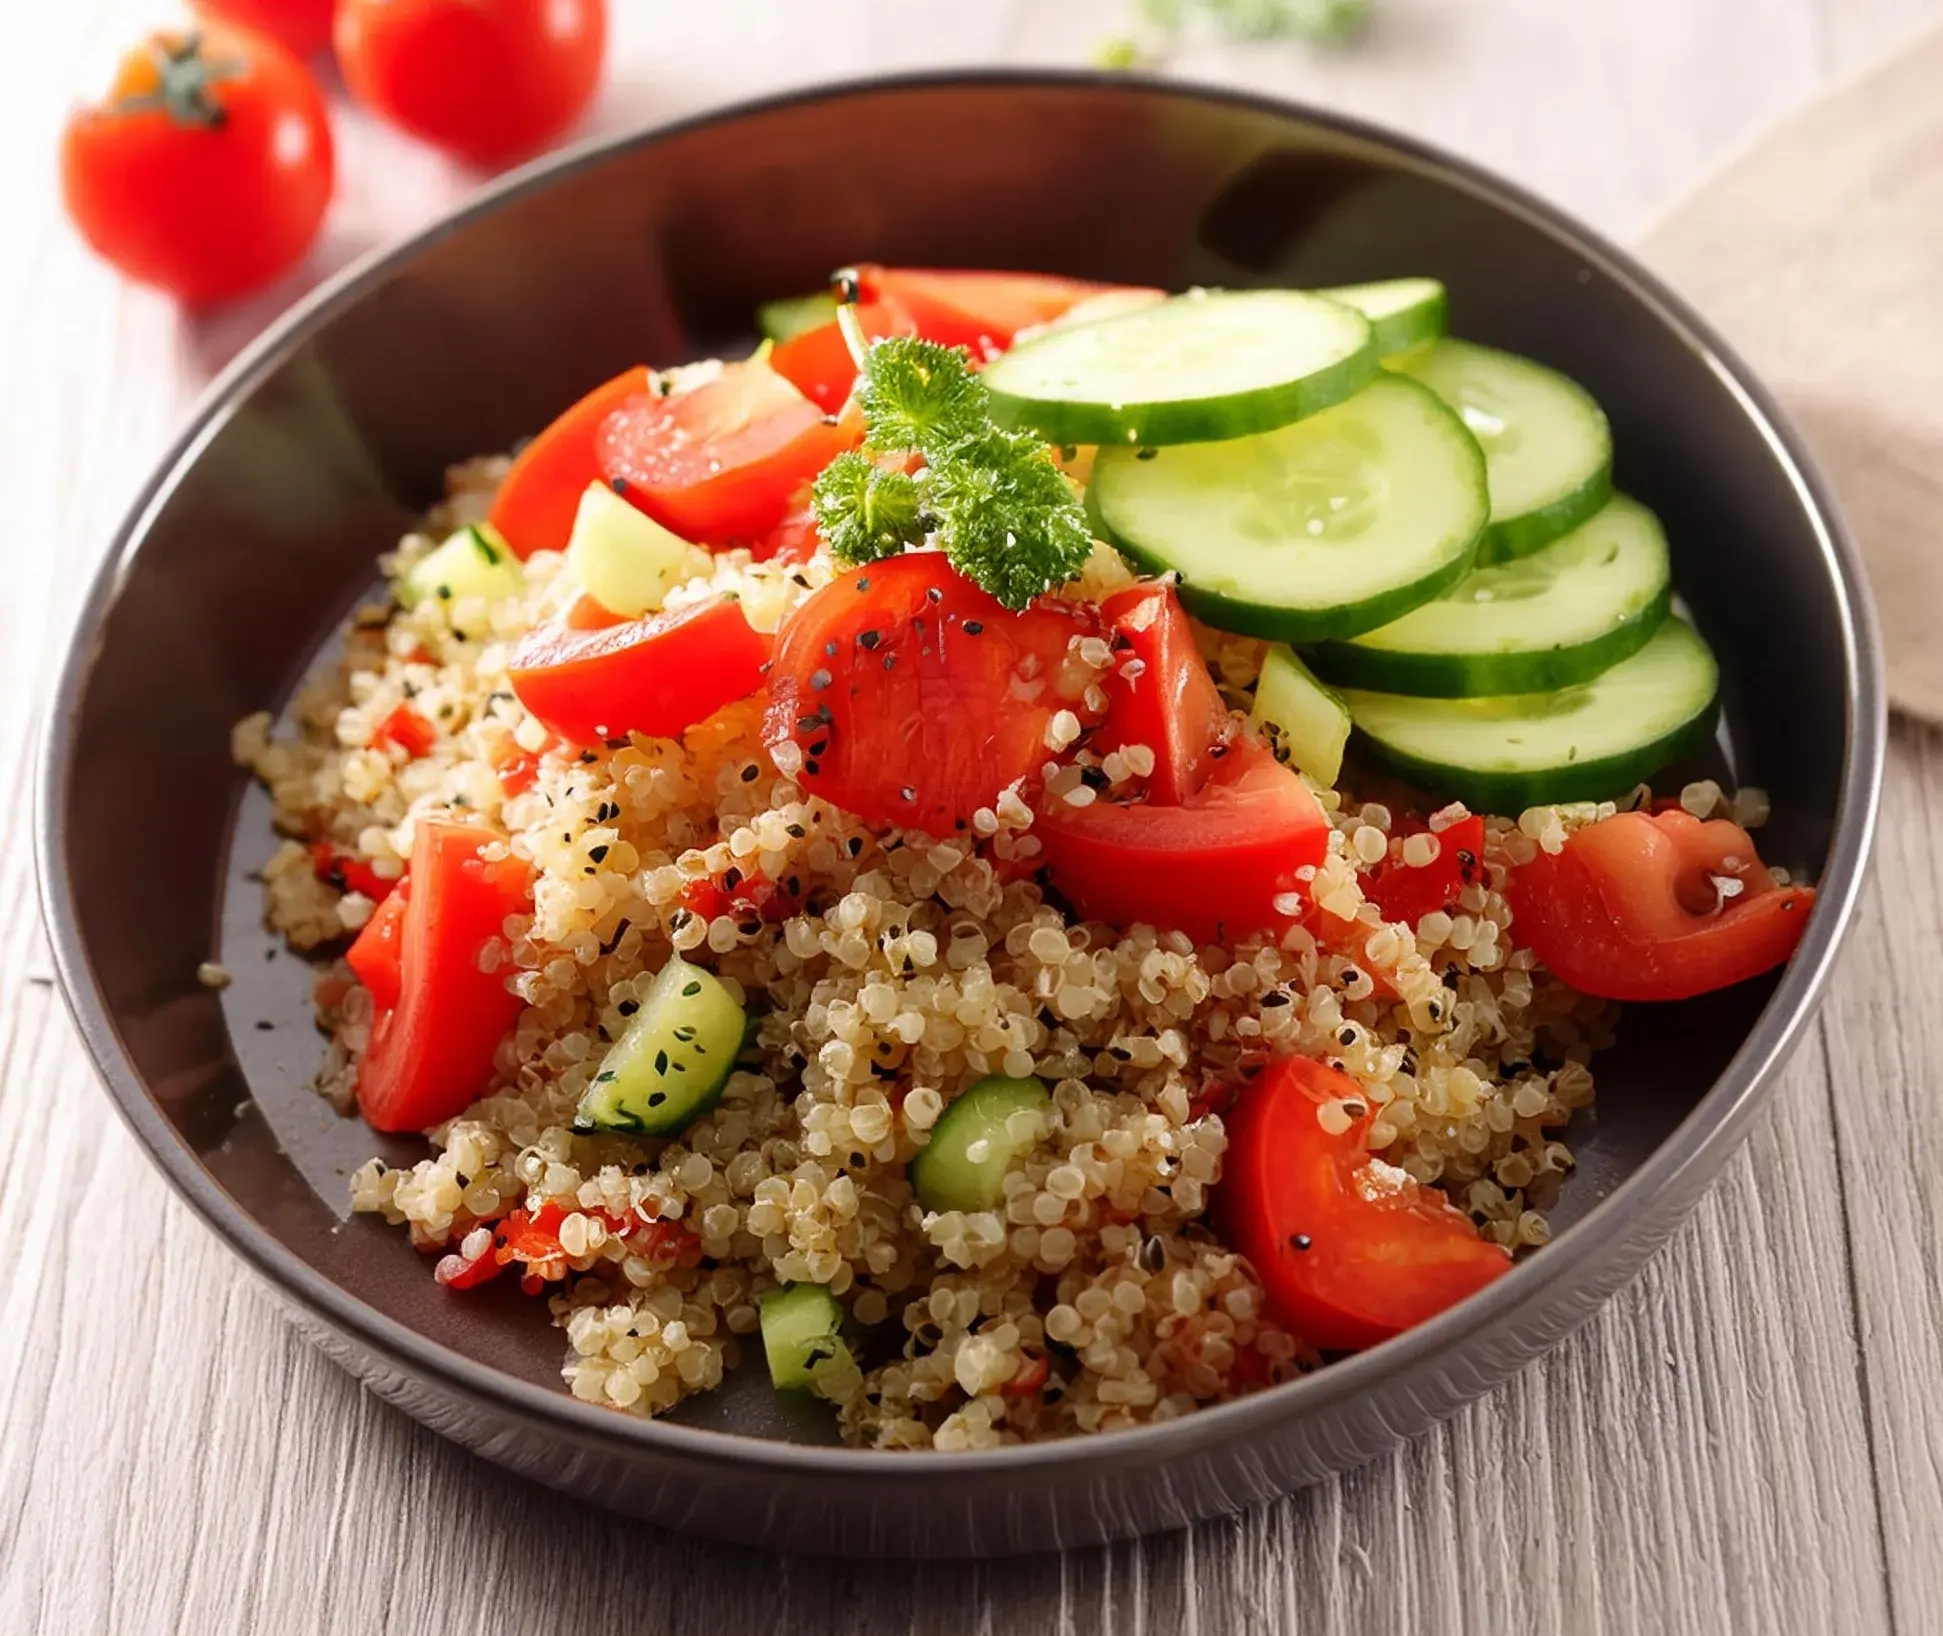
(1188, 369)
(785, 319)
(1551, 619)
(1323, 529)
(473, 562)
(669, 1068)
(1584, 743)
(1403, 312)
(974, 1143)
(1305, 721)
(1546, 442)
(802, 1336)
(623, 558)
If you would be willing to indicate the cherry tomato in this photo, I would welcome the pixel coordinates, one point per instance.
(1633, 908)
(487, 80)
(914, 696)
(1172, 705)
(431, 1051)
(981, 311)
(536, 505)
(1211, 867)
(207, 170)
(659, 675)
(818, 362)
(1349, 1254)
(724, 461)
(1407, 892)
(795, 538)
(302, 27)
(589, 613)
(375, 954)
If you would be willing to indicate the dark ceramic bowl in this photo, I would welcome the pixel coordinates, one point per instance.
(314, 452)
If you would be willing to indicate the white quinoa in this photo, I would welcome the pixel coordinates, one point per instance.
(913, 969)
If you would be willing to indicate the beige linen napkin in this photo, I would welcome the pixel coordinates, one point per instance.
(1819, 254)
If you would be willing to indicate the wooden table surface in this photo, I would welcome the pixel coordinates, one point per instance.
(1749, 1438)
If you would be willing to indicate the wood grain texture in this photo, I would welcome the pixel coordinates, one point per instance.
(1748, 1438)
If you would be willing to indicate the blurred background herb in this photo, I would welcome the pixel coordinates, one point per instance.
(1159, 25)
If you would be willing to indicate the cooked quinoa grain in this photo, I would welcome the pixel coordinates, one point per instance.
(1094, 1295)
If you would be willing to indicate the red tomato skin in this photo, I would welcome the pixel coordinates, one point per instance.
(206, 214)
(408, 730)
(659, 675)
(818, 362)
(1406, 894)
(1625, 910)
(975, 309)
(1172, 706)
(374, 954)
(431, 1053)
(1210, 867)
(301, 27)
(587, 613)
(795, 539)
(535, 507)
(486, 80)
(348, 872)
(1346, 1259)
(725, 461)
(917, 722)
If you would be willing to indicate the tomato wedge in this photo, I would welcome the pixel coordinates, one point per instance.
(1211, 867)
(348, 872)
(431, 1050)
(536, 504)
(818, 361)
(981, 311)
(1348, 1254)
(1407, 892)
(374, 955)
(1172, 706)
(659, 675)
(1633, 908)
(914, 696)
(724, 461)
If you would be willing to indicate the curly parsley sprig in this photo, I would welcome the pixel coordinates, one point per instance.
(993, 500)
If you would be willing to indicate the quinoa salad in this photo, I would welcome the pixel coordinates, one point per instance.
(848, 854)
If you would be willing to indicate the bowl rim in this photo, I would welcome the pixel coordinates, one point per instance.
(1699, 1142)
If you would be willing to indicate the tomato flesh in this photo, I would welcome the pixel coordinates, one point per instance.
(1408, 892)
(348, 872)
(407, 730)
(914, 697)
(981, 311)
(431, 1049)
(1348, 1255)
(818, 361)
(1211, 867)
(659, 675)
(1172, 705)
(540, 497)
(1631, 909)
(724, 461)
(375, 954)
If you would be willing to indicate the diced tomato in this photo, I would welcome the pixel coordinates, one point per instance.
(914, 696)
(1029, 1379)
(455, 1271)
(666, 1243)
(1172, 706)
(431, 1051)
(587, 613)
(981, 311)
(375, 954)
(348, 872)
(531, 1236)
(722, 462)
(1633, 908)
(407, 729)
(659, 675)
(1337, 935)
(1348, 1254)
(753, 895)
(795, 538)
(1406, 892)
(1211, 867)
(537, 503)
(519, 769)
(818, 361)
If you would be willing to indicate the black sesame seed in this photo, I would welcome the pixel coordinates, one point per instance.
(1217, 751)
(751, 773)
(808, 724)
(889, 660)
(868, 640)
(732, 879)
(588, 758)
(830, 649)
(1275, 997)
(934, 594)
(819, 747)
(864, 583)
(973, 627)
(1299, 1241)
(819, 680)
(1145, 454)
(597, 853)
(264, 1025)
(619, 485)
(1355, 1110)
(812, 768)
(856, 845)
(627, 1008)
(1347, 1036)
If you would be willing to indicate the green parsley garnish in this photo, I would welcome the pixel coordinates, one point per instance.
(994, 501)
